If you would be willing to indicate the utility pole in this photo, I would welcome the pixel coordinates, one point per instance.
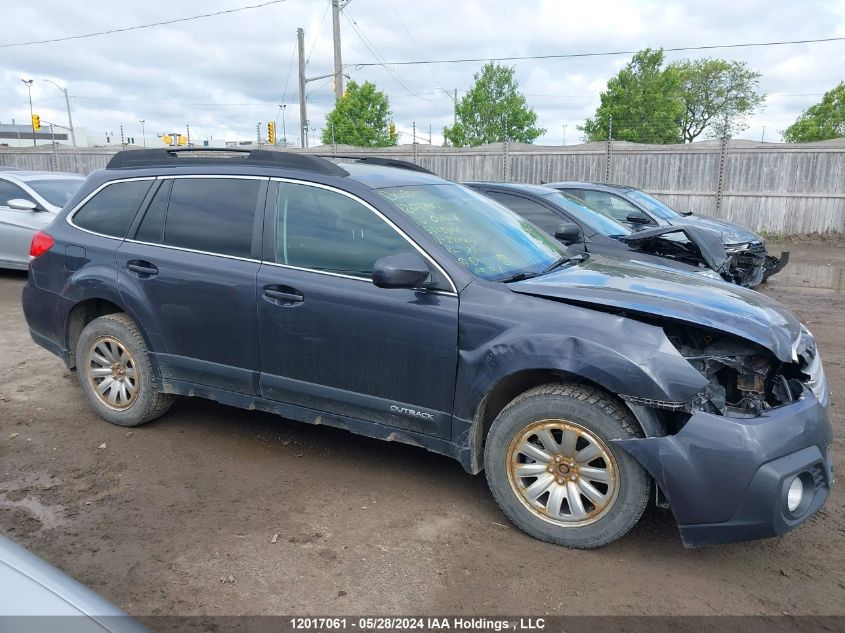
(67, 104)
(122, 139)
(143, 138)
(564, 134)
(338, 64)
(303, 118)
(55, 149)
(28, 83)
(303, 114)
(455, 111)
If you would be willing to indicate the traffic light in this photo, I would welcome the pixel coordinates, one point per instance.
(182, 139)
(271, 133)
(392, 132)
(36, 122)
(168, 139)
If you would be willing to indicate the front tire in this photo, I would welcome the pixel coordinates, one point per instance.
(554, 472)
(114, 370)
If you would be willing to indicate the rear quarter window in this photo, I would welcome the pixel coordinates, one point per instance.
(112, 209)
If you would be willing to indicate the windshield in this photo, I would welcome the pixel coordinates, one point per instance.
(589, 215)
(56, 191)
(486, 238)
(653, 205)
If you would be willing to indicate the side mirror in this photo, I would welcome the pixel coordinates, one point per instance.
(404, 270)
(638, 218)
(23, 205)
(568, 233)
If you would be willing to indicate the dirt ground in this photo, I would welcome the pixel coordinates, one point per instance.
(178, 517)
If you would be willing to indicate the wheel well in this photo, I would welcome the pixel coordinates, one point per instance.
(506, 390)
(81, 315)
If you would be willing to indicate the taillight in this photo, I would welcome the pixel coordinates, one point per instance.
(41, 243)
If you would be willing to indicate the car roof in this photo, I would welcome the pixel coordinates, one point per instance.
(381, 176)
(374, 172)
(599, 186)
(24, 176)
(540, 190)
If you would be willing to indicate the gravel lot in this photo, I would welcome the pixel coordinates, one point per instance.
(181, 516)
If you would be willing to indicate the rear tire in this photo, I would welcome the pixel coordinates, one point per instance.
(114, 370)
(554, 472)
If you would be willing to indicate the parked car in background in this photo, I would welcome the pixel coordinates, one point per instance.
(750, 263)
(380, 298)
(584, 229)
(29, 200)
(35, 596)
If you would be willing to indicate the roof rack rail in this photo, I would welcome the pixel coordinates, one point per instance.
(378, 160)
(176, 157)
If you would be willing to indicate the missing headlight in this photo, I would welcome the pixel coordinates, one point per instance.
(745, 379)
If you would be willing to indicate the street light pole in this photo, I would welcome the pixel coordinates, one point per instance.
(67, 104)
(28, 83)
(143, 138)
(283, 107)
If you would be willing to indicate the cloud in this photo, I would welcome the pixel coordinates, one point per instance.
(223, 75)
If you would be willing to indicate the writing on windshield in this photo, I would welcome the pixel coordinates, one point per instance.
(484, 237)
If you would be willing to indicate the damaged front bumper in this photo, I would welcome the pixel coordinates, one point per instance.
(750, 264)
(727, 478)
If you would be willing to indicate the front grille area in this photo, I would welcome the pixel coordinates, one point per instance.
(819, 477)
(757, 247)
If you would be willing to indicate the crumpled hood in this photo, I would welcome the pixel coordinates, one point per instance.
(639, 288)
(731, 233)
(709, 242)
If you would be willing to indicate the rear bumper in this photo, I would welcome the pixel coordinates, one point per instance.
(43, 312)
(726, 478)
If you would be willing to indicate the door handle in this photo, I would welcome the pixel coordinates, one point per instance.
(142, 268)
(288, 296)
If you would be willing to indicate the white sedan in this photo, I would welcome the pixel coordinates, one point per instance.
(29, 200)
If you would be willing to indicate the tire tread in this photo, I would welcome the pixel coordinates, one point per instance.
(609, 406)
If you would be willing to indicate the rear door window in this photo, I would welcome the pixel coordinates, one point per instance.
(213, 215)
(111, 211)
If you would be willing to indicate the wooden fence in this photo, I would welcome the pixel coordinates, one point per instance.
(772, 187)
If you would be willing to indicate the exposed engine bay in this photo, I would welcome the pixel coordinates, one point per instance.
(746, 265)
(745, 378)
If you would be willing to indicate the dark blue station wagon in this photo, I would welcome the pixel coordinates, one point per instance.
(379, 298)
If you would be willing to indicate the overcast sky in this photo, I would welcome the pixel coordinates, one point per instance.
(224, 74)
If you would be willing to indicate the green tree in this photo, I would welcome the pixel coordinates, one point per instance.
(360, 117)
(718, 96)
(821, 121)
(642, 103)
(493, 111)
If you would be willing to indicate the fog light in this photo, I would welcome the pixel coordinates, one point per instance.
(795, 494)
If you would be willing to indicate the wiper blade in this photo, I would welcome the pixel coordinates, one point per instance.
(563, 261)
(573, 259)
(519, 277)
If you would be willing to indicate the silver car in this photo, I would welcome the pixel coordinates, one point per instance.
(29, 200)
(36, 597)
